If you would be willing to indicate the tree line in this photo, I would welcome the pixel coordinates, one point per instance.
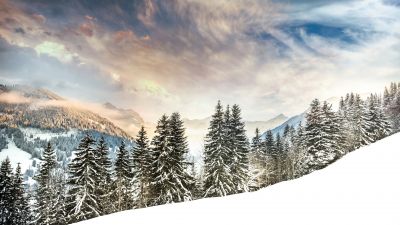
(159, 171)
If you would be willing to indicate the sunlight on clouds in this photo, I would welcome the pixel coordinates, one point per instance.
(116, 77)
(268, 56)
(55, 50)
(153, 88)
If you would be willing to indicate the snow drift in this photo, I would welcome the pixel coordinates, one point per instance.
(362, 188)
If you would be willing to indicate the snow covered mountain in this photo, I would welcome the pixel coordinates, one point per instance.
(264, 125)
(28, 107)
(127, 119)
(360, 188)
(292, 121)
(31, 117)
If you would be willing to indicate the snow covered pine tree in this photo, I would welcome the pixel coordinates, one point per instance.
(218, 178)
(171, 181)
(142, 167)
(82, 201)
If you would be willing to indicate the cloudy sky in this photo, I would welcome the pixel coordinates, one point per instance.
(157, 57)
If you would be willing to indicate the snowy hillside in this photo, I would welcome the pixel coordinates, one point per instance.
(16, 155)
(361, 188)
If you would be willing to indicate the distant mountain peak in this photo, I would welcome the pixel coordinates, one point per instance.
(124, 117)
(52, 115)
(280, 116)
(32, 92)
(108, 105)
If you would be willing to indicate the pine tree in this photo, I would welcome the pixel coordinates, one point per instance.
(317, 155)
(159, 149)
(280, 158)
(393, 90)
(6, 195)
(240, 149)
(360, 124)
(386, 98)
(20, 212)
(60, 190)
(343, 119)
(394, 111)
(228, 135)
(171, 182)
(272, 158)
(333, 137)
(45, 195)
(258, 165)
(299, 153)
(286, 159)
(142, 166)
(197, 176)
(256, 142)
(184, 182)
(104, 182)
(322, 133)
(218, 179)
(379, 126)
(286, 130)
(82, 201)
(123, 177)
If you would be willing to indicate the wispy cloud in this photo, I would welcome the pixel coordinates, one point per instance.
(164, 56)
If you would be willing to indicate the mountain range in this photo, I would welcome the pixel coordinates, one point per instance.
(30, 117)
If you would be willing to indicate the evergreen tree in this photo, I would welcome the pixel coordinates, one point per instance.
(171, 182)
(159, 149)
(184, 182)
(299, 153)
(60, 190)
(286, 157)
(82, 201)
(104, 182)
(142, 166)
(270, 144)
(394, 111)
(379, 126)
(6, 195)
(123, 177)
(319, 152)
(197, 189)
(272, 158)
(331, 127)
(256, 142)
(45, 195)
(240, 149)
(286, 130)
(360, 124)
(227, 135)
(323, 135)
(258, 165)
(386, 98)
(20, 207)
(218, 179)
(280, 158)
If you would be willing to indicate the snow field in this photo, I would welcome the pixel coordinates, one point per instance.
(361, 188)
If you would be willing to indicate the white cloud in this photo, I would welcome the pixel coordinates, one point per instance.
(56, 50)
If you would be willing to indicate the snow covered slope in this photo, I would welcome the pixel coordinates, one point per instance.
(16, 155)
(362, 188)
